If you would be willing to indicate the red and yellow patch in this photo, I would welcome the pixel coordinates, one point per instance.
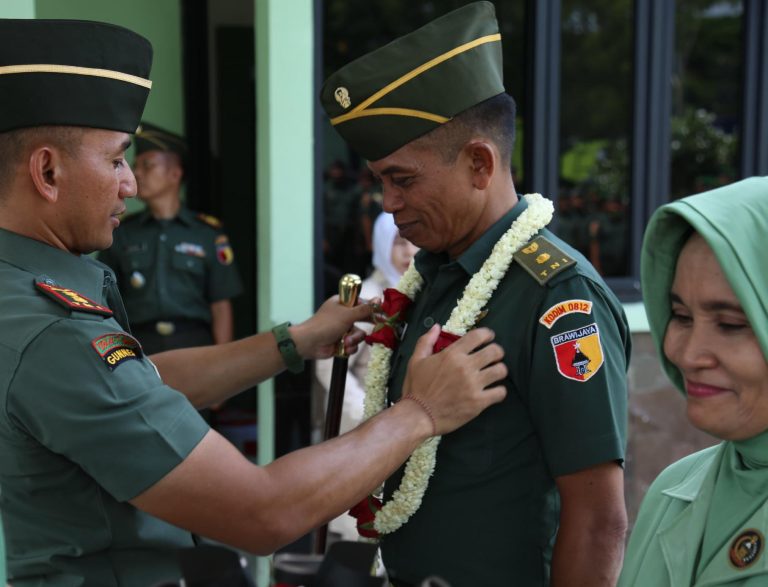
(557, 311)
(117, 347)
(69, 298)
(224, 252)
(578, 352)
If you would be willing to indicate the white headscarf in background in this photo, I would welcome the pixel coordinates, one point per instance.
(384, 233)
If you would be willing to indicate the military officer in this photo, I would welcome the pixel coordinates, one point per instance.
(175, 269)
(531, 492)
(105, 464)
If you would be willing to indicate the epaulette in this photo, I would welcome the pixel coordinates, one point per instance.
(69, 298)
(211, 221)
(542, 259)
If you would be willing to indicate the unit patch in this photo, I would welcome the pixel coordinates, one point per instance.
(224, 252)
(557, 311)
(542, 259)
(116, 348)
(578, 352)
(69, 298)
(190, 249)
(746, 548)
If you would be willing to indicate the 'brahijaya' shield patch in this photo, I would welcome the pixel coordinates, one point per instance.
(117, 347)
(578, 352)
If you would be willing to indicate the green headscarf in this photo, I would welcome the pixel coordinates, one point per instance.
(733, 220)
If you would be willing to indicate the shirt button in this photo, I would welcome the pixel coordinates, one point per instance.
(428, 322)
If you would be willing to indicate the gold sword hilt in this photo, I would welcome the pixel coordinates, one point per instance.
(349, 291)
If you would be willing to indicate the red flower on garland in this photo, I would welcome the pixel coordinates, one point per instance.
(365, 514)
(445, 340)
(393, 308)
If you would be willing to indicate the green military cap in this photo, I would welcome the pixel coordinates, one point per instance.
(73, 73)
(397, 93)
(150, 137)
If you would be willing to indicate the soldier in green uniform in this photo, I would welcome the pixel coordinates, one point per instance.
(531, 492)
(175, 269)
(105, 465)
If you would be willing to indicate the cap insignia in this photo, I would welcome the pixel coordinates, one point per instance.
(342, 97)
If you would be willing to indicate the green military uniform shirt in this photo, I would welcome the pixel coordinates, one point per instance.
(172, 269)
(86, 424)
(490, 513)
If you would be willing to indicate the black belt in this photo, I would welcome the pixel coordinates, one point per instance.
(169, 327)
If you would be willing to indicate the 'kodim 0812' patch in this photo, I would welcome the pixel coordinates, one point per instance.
(557, 311)
(117, 347)
(578, 352)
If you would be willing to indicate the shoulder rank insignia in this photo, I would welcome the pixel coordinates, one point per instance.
(69, 298)
(117, 347)
(211, 221)
(542, 259)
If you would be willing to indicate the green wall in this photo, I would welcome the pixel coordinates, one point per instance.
(160, 22)
(157, 20)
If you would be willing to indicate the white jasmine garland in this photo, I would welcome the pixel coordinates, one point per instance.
(421, 464)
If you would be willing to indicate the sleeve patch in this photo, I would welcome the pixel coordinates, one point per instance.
(578, 352)
(224, 252)
(542, 259)
(117, 347)
(561, 309)
(69, 298)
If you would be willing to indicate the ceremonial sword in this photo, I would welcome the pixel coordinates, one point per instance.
(349, 290)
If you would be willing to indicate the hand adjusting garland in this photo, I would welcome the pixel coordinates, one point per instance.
(373, 518)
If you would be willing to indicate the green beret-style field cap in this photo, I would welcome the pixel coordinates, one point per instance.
(397, 93)
(150, 137)
(72, 73)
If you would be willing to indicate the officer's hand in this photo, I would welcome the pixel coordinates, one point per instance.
(453, 382)
(317, 337)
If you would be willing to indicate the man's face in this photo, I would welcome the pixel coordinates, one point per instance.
(156, 174)
(434, 203)
(95, 180)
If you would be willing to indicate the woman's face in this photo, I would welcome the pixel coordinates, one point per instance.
(402, 253)
(711, 342)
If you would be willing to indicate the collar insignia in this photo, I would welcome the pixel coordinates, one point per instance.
(69, 298)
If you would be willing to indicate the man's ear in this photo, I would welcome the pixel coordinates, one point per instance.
(45, 171)
(483, 160)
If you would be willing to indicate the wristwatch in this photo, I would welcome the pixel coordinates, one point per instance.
(287, 348)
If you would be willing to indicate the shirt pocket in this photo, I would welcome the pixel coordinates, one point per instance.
(137, 260)
(188, 263)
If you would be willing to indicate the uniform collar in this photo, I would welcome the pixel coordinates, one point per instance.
(473, 258)
(80, 273)
(184, 216)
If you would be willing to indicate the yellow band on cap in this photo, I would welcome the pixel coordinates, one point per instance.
(76, 70)
(361, 109)
(392, 112)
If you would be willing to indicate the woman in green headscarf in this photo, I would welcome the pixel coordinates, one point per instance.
(705, 285)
